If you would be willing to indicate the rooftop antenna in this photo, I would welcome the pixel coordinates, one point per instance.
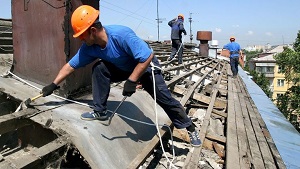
(159, 20)
(191, 34)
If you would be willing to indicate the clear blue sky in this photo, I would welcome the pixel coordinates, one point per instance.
(255, 22)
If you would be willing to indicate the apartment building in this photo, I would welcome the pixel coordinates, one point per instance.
(266, 64)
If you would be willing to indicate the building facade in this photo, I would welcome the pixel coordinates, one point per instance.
(266, 64)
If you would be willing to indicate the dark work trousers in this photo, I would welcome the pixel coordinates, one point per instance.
(234, 63)
(176, 47)
(105, 73)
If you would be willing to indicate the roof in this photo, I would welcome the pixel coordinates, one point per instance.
(269, 56)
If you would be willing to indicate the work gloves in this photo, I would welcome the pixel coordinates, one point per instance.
(47, 90)
(129, 88)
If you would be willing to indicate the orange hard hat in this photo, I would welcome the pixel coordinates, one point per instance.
(82, 18)
(232, 38)
(181, 15)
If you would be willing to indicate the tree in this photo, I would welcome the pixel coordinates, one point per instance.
(250, 55)
(289, 61)
(261, 80)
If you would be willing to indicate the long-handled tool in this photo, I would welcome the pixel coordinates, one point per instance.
(26, 103)
(29, 100)
(180, 46)
(116, 110)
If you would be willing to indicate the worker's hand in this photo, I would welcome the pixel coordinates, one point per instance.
(129, 88)
(47, 90)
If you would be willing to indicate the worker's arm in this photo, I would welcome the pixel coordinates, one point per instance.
(241, 54)
(131, 82)
(171, 22)
(63, 73)
(140, 69)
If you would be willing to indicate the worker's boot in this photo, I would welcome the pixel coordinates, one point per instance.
(94, 115)
(195, 139)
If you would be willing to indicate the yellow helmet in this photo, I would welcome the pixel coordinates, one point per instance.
(181, 15)
(232, 38)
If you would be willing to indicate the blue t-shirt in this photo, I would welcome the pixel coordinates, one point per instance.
(234, 49)
(124, 49)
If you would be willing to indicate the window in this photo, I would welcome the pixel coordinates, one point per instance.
(280, 69)
(270, 69)
(258, 69)
(279, 95)
(280, 82)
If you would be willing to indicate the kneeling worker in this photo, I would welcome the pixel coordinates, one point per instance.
(124, 56)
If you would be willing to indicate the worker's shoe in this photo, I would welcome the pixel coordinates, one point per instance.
(195, 139)
(94, 115)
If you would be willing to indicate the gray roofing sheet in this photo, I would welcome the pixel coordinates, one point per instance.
(285, 136)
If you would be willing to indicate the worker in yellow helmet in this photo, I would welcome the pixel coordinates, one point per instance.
(124, 57)
(177, 28)
(235, 52)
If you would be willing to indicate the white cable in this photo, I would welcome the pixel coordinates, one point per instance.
(156, 119)
(155, 108)
(73, 101)
(176, 54)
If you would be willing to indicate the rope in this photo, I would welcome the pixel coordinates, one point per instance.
(156, 119)
(134, 120)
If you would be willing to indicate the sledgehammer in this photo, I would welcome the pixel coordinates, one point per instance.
(29, 100)
(25, 103)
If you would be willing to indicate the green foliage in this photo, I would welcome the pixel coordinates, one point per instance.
(288, 104)
(250, 55)
(261, 80)
(289, 59)
(297, 43)
(282, 104)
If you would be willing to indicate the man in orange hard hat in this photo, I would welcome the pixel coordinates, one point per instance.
(177, 29)
(124, 56)
(235, 52)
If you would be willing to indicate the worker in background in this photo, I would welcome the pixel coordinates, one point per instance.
(121, 56)
(235, 52)
(177, 29)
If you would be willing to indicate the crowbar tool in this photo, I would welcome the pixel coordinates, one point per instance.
(111, 117)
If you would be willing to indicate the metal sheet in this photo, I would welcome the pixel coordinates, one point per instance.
(104, 147)
(43, 42)
(285, 136)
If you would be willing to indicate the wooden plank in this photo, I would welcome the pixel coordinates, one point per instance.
(35, 157)
(232, 153)
(185, 98)
(141, 157)
(256, 158)
(16, 120)
(220, 113)
(194, 160)
(240, 110)
(275, 154)
(219, 149)
(176, 79)
(261, 140)
(221, 139)
(219, 103)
